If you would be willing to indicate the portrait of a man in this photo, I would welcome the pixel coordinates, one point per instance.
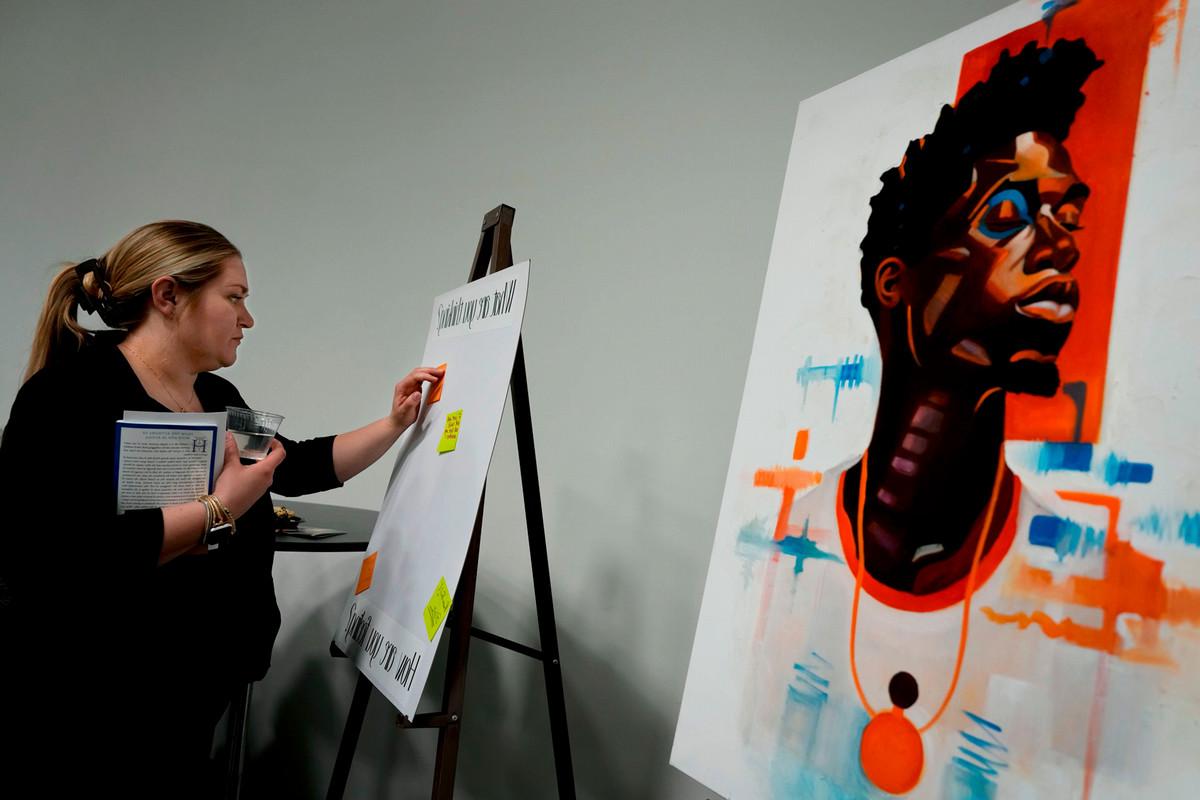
(967, 274)
(954, 556)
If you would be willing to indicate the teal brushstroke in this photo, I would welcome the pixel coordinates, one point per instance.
(849, 372)
(817, 755)
(971, 773)
(752, 537)
(1117, 470)
(810, 684)
(803, 548)
(1048, 457)
(1065, 536)
(756, 539)
(1068, 456)
(1182, 527)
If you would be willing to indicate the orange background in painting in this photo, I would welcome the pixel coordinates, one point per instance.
(1101, 146)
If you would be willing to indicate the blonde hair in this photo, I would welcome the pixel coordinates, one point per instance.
(117, 285)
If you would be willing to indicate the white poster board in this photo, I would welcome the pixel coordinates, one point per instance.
(1072, 673)
(394, 615)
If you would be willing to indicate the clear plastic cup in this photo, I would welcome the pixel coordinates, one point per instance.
(252, 430)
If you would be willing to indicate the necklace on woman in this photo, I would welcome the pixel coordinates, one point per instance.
(158, 377)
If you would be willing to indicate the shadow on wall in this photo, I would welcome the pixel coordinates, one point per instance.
(307, 723)
(506, 751)
(620, 734)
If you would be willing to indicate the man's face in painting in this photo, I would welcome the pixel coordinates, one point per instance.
(995, 298)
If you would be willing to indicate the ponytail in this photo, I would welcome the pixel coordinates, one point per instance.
(58, 331)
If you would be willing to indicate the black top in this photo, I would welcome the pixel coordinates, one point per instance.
(86, 610)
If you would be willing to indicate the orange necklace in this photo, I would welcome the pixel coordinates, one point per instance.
(891, 752)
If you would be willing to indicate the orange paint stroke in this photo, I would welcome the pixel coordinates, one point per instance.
(1052, 628)
(1132, 584)
(764, 603)
(985, 396)
(1164, 15)
(1095, 717)
(1106, 501)
(912, 347)
(1180, 20)
(858, 582)
(790, 480)
(800, 449)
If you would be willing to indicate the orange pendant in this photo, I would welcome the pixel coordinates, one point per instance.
(891, 752)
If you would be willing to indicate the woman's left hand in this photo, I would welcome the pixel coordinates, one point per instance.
(406, 398)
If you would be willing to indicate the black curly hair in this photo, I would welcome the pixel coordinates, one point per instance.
(1036, 90)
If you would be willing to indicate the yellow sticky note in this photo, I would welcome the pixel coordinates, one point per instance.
(450, 432)
(366, 573)
(437, 608)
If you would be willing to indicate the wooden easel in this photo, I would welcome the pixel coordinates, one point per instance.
(495, 249)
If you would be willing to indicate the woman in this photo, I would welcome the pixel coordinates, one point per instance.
(125, 626)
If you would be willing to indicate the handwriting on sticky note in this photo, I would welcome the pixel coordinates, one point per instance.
(435, 391)
(437, 608)
(450, 432)
(366, 573)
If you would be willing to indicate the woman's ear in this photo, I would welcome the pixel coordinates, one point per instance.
(164, 295)
(887, 281)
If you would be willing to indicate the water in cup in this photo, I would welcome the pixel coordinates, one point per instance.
(252, 430)
(252, 446)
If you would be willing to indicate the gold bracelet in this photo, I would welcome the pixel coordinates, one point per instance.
(208, 519)
(212, 512)
(226, 513)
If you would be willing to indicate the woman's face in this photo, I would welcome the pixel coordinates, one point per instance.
(213, 317)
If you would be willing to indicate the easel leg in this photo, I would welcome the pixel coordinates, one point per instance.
(456, 667)
(354, 721)
(539, 562)
(239, 710)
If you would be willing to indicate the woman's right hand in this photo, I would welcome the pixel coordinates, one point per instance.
(238, 486)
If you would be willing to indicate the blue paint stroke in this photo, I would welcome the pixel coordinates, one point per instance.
(1182, 527)
(1118, 470)
(756, 539)
(810, 687)
(1064, 536)
(817, 753)
(849, 372)
(1051, 8)
(1069, 456)
(752, 537)
(972, 773)
(802, 548)
(1048, 457)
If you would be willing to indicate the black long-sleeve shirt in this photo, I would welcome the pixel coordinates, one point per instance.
(89, 619)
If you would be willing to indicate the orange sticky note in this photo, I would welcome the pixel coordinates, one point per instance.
(366, 573)
(435, 391)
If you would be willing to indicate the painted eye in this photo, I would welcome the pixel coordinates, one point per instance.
(1007, 212)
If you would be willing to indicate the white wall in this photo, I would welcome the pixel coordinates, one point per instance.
(351, 149)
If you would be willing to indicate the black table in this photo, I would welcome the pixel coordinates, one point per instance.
(357, 524)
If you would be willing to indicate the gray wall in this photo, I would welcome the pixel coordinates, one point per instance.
(350, 149)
